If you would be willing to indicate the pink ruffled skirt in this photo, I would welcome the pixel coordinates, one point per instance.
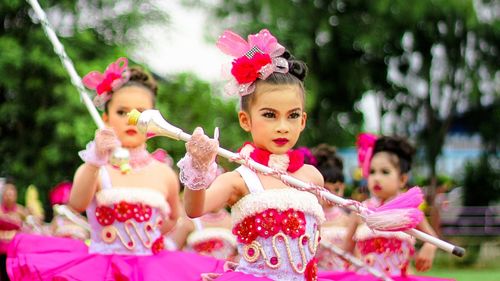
(32, 257)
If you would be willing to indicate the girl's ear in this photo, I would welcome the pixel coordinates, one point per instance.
(403, 180)
(105, 117)
(303, 121)
(245, 122)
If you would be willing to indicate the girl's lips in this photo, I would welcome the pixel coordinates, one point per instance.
(131, 132)
(280, 142)
(377, 188)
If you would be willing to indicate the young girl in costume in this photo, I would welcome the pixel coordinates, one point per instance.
(277, 227)
(386, 162)
(128, 213)
(333, 230)
(208, 235)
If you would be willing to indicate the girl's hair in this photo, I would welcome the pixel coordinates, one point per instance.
(398, 147)
(139, 78)
(297, 71)
(329, 164)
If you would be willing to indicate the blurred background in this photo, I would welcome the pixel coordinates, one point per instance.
(427, 70)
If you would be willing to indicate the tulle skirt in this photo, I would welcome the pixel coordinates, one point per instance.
(32, 257)
(353, 276)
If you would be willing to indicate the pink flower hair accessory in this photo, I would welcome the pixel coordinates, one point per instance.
(365, 144)
(115, 75)
(255, 59)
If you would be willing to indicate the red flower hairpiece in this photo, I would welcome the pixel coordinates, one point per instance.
(115, 75)
(257, 58)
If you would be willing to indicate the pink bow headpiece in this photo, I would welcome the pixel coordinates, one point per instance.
(365, 144)
(104, 84)
(60, 193)
(257, 58)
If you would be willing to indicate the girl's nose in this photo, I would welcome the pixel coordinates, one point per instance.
(282, 126)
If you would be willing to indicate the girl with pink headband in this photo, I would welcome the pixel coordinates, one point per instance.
(128, 213)
(277, 227)
(386, 163)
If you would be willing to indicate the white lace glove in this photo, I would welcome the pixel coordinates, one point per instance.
(98, 151)
(198, 167)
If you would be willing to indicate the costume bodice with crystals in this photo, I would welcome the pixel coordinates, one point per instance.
(277, 231)
(387, 251)
(126, 220)
(218, 242)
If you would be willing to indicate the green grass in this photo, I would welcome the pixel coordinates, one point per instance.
(466, 274)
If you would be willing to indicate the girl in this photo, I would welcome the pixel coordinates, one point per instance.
(333, 230)
(387, 169)
(208, 235)
(128, 213)
(277, 227)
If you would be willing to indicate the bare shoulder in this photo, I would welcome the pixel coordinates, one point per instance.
(233, 183)
(164, 169)
(312, 174)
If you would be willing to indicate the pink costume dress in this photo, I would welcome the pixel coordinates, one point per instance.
(333, 231)
(126, 244)
(218, 242)
(389, 252)
(277, 232)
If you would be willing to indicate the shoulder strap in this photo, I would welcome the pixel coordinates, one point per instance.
(251, 179)
(105, 178)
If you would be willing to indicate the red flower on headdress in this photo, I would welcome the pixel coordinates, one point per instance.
(246, 70)
(116, 74)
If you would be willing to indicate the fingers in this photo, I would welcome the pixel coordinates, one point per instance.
(106, 140)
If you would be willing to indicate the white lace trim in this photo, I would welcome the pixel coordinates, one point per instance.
(281, 199)
(212, 232)
(151, 197)
(364, 232)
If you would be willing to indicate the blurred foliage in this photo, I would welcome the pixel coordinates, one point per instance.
(482, 181)
(348, 46)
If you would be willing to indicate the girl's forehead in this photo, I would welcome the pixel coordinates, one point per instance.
(268, 95)
(384, 158)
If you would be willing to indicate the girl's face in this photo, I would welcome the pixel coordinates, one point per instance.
(385, 179)
(276, 117)
(9, 195)
(336, 188)
(122, 102)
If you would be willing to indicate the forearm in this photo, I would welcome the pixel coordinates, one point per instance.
(194, 202)
(84, 187)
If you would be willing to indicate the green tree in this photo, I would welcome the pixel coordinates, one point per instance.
(43, 123)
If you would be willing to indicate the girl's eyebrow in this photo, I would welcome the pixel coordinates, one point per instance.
(272, 109)
(140, 109)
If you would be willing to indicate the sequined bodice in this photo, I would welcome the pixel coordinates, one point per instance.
(212, 241)
(278, 233)
(387, 251)
(127, 221)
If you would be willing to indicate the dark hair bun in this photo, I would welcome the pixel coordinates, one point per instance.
(326, 156)
(139, 76)
(398, 146)
(297, 68)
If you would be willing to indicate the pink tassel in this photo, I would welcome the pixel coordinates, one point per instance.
(401, 213)
(410, 199)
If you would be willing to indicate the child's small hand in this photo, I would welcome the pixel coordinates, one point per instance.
(105, 141)
(425, 256)
(202, 149)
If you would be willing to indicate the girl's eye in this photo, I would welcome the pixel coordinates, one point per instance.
(294, 115)
(372, 171)
(386, 172)
(269, 114)
(121, 112)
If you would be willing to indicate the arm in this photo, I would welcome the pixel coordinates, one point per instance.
(425, 256)
(173, 188)
(84, 187)
(352, 225)
(200, 202)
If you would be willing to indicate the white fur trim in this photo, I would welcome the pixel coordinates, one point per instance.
(281, 199)
(364, 232)
(147, 196)
(212, 232)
